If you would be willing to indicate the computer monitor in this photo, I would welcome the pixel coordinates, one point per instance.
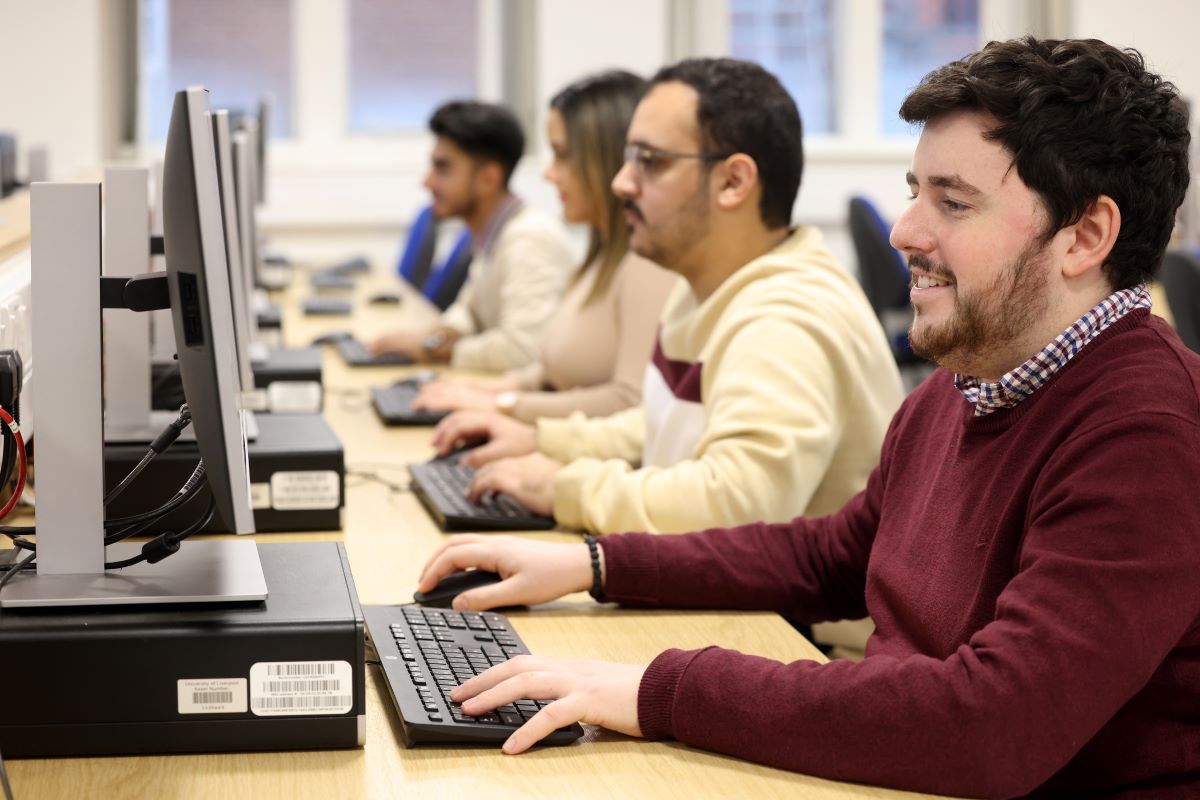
(8, 163)
(246, 162)
(198, 281)
(264, 133)
(240, 297)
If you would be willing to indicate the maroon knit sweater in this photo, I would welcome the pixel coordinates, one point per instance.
(1034, 576)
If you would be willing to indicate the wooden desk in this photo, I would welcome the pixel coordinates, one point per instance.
(14, 224)
(388, 537)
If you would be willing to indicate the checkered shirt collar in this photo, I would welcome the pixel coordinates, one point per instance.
(1025, 379)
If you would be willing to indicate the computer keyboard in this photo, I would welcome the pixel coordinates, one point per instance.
(426, 652)
(441, 486)
(355, 354)
(393, 404)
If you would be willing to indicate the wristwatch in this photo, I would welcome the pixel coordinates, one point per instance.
(432, 342)
(506, 402)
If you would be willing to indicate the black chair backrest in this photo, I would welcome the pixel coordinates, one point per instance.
(881, 269)
(1181, 282)
(444, 287)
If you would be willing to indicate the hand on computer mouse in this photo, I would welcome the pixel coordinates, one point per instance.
(505, 436)
(531, 572)
(442, 595)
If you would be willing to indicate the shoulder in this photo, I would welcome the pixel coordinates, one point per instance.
(532, 223)
(1143, 369)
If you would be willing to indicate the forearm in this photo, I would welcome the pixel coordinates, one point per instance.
(592, 401)
(618, 436)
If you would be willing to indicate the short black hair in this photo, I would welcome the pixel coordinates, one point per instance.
(745, 109)
(483, 130)
(1081, 119)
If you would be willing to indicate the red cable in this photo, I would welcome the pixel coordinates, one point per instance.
(22, 461)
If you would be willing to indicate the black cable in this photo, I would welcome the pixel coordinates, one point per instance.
(8, 795)
(185, 493)
(160, 444)
(159, 548)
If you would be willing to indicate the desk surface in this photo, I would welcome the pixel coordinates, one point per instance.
(14, 224)
(388, 537)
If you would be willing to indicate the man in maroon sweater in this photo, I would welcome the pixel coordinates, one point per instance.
(1029, 546)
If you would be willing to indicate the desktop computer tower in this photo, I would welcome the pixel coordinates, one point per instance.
(297, 477)
(282, 674)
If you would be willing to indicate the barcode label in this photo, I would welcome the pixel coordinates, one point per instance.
(211, 695)
(301, 687)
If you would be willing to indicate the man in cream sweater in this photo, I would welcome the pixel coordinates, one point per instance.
(522, 256)
(771, 384)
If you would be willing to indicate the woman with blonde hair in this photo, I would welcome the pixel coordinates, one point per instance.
(596, 346)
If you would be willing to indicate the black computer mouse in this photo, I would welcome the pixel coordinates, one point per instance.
(333, 337)
(454, 584)
(385, 297)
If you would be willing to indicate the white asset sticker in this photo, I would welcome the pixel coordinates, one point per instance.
(305, 490)
(211, 695)
(291, 688)
(294, 397)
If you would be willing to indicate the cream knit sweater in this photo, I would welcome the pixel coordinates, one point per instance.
(768, 400)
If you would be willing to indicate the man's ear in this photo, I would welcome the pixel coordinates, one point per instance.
(738, 179)
(489, 177)
(1093, 237)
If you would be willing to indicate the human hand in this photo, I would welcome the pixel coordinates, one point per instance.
(504, 436)
(453, 395)
(406, 342)
(528, 479)
(532, 572)
(595, 692)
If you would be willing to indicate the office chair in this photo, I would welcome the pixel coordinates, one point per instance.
(440, 284)
(1181, 282)
(884, 276)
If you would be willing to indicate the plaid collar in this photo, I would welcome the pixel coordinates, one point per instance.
(1025, 379)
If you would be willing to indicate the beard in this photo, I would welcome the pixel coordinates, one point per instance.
(988, 322)
(666, 242)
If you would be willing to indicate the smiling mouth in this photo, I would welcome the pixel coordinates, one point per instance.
(928, 282)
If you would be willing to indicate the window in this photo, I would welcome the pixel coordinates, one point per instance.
(240, 51)
(407, 58)
(793, 39)
(918, 36)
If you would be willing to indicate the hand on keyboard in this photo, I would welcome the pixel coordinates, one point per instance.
(505, 437)
(533, 572)
(596, 692)
(452, 395)
(528, 479)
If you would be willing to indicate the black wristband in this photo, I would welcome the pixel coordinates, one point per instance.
(597, 590)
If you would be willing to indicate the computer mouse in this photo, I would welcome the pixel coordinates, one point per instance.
(454, 584)
(385, 297)
(333, 337)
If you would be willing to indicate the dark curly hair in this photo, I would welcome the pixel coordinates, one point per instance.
(1081, 119)
(745, 109)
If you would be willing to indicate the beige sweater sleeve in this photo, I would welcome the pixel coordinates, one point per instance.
(458, 315)
(771, 428)
(617, 436)
(638, 296)
(536, 266)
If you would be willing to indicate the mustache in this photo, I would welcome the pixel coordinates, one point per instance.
(631, 206)
(940, 271)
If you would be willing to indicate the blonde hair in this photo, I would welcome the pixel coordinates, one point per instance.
(596, 111)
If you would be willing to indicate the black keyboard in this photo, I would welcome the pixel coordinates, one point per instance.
(393, 404)
(426, 652)
(441, 486)
(355, 354)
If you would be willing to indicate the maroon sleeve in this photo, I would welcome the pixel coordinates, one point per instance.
(1104, 589)
(809, 570)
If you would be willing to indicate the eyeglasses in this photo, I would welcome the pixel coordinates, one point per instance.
(647, 159)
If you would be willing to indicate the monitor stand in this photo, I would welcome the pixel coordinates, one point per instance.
(65, 242)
